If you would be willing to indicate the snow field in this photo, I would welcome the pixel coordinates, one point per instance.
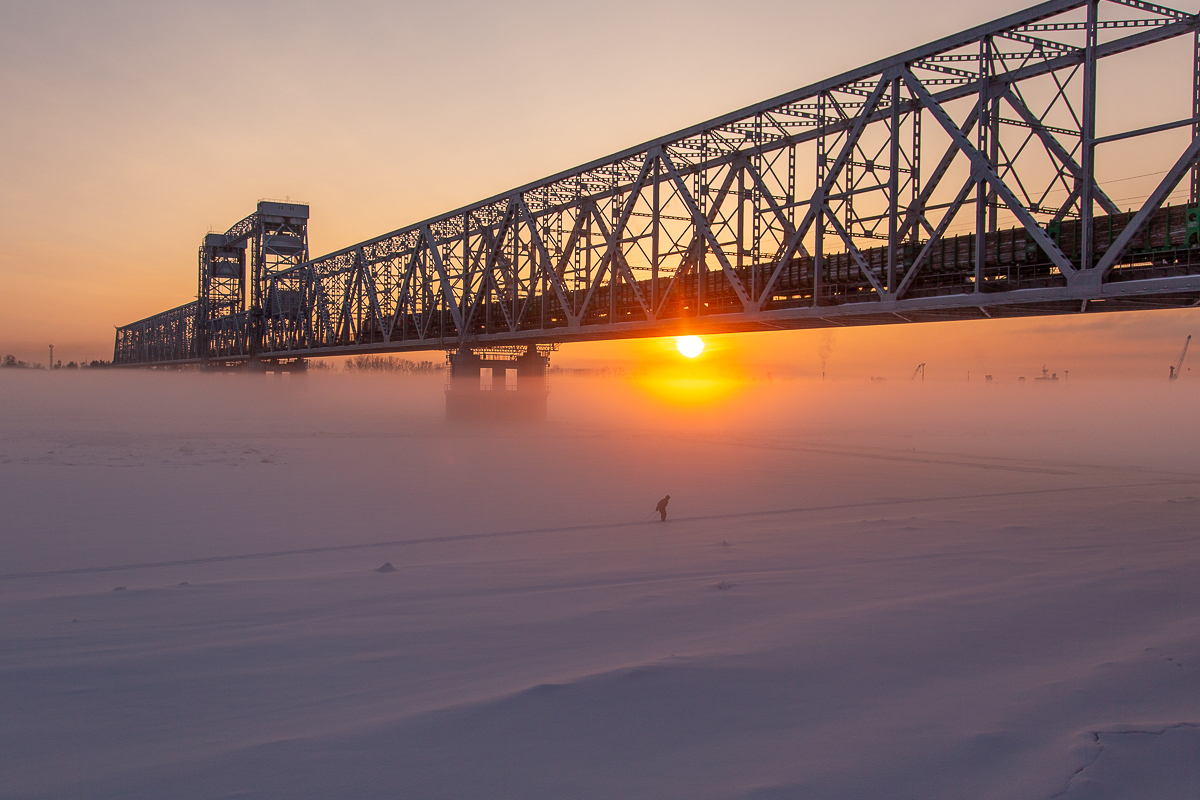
(862, 592)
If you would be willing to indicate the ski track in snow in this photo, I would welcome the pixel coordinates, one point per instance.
(891, 502)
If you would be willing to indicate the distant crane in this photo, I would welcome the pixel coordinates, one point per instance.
(1178, 365)
(921, 369)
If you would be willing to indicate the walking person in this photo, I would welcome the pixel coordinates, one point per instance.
(661, 508)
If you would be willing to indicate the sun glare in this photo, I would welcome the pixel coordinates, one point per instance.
(689, 346)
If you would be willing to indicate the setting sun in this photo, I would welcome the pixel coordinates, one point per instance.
(689, 346)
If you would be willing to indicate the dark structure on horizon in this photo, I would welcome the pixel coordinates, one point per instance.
(831, 205)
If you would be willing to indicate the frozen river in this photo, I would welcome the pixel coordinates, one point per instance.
(864, 591)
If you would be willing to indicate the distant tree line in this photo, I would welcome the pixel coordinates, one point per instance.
(391, 364)
(11, 362)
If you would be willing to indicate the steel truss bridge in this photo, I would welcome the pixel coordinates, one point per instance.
(958, 180)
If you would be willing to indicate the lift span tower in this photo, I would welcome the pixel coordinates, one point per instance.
(965, 179)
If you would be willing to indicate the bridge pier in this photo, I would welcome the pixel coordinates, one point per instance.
(277, 366)
(497, 384)
(222, 366)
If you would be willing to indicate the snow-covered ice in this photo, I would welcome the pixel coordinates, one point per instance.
(864, 591)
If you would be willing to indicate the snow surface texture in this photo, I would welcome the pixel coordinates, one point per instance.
(864, 591)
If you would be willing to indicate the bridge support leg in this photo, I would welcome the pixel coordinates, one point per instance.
(223, 367)
(516, 389)
(277, 366)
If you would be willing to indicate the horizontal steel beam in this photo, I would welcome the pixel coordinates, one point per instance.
(956, 307)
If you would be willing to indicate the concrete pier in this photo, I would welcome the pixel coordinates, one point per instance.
(494, 385)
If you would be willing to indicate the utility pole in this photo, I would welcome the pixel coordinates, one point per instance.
(51, 356)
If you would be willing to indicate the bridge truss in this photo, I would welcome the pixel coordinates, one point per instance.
(963, 179)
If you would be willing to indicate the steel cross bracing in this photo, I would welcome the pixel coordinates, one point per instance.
(956, 180)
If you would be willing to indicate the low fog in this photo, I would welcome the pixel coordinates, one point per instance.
(902, 588)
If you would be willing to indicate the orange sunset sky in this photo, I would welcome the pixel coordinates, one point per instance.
(132, 128)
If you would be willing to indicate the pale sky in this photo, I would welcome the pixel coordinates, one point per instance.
(132, 128)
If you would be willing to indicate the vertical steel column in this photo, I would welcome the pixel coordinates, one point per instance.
(359, 295)
(258, 257)
(532, 262)
(894, 189)
(612, 261)
(1088, 139)
(463, 305)
(741, 227)
(655, 213)
(702, 204)
(848, 177)
(791, 184)
(577, 253)
(1195, 194)
(587, 256)
(819, 219)
(915, 177)
(994, 157)
(981, 144)
(701, 270)
(701, 195)
(756, 194)
(490, 285)
(535, 255)
(202, 305)
(514, 270)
